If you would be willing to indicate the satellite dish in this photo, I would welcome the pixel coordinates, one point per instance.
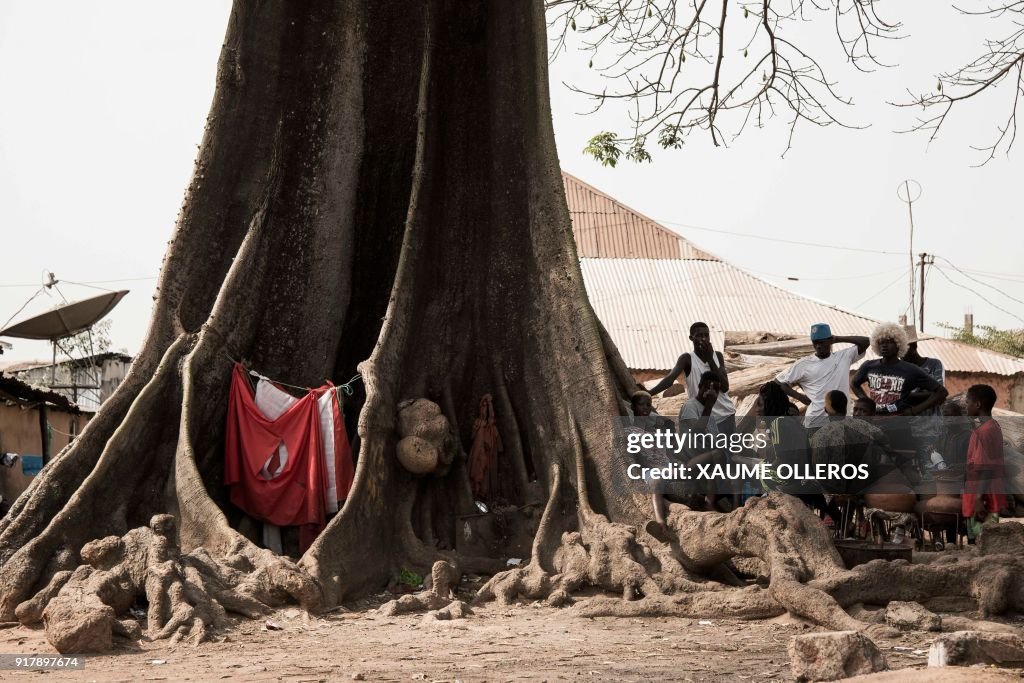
(67, 320)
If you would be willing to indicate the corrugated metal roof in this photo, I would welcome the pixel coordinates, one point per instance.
(21, 390)
(648, 305)
(959, 357)
(604, 228)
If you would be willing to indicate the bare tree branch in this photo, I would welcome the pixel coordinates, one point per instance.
(682, 64)
(1001, 61)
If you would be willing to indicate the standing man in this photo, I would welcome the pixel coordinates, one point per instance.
(891, 381)
(693, 365)
(822, 372)
(926, 427)
(931, 366)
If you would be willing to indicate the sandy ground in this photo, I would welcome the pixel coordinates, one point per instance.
(518, 643)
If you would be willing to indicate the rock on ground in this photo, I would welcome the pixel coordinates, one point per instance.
(456, 610)
(79, 631)
(1006, 538)
(966, 648)
(910, 616)
(834, 655)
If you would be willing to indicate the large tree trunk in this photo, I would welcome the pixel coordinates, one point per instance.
(377, 190)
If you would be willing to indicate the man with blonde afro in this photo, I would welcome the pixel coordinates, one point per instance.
(891, 381)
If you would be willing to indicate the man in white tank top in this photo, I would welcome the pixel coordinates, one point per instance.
(692, 365)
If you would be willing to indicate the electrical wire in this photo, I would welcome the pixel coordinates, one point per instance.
(902, 275)
(30, 299)
(991, 275)
(792, 278)
(978, 294)
(782, 240)
(87, 284)
(755, 236)
(990, 286)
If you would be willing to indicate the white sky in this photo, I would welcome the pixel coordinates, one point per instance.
(104, 105)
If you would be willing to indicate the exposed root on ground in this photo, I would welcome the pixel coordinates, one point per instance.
(188, 594)
(440, 593)
(805, 574)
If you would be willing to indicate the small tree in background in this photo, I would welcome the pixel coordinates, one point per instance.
(1010, 342)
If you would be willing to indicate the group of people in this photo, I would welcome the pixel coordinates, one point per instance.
(933, 435)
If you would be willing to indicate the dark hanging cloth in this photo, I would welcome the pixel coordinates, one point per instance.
(483, 455)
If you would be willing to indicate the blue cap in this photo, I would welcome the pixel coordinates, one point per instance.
(820, 331)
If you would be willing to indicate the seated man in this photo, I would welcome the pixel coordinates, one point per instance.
(864, 408)
(697, 421)
(787, 437)
(849, 440)
(954, 437)
(645, 419)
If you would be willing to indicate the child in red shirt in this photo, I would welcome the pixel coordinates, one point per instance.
(983, 498)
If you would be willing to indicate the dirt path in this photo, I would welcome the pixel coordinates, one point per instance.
(516, 643)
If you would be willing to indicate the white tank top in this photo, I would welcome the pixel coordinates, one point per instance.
(724, 406)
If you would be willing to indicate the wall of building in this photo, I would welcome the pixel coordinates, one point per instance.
(1009, 389)
(108, 374)
(19, 433)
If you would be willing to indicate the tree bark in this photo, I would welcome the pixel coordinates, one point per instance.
(378, 189)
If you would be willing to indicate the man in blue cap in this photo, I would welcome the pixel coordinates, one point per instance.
(822, 372)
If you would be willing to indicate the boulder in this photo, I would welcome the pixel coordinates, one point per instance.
(833, 656)
(910, 616)
(966, 648)
(72, 630)
(1005, 538)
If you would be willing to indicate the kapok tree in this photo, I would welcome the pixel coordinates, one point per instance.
(378, 190)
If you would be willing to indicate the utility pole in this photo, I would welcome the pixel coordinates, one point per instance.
(926, 260)
(909, 191)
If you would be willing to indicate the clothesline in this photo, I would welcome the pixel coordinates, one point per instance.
(346, 387)
(54, 429)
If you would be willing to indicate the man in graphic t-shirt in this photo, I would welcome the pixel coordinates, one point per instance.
(822, 372)
(891, 381)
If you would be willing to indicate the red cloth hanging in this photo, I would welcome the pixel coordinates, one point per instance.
(483, 455)
(297, 495)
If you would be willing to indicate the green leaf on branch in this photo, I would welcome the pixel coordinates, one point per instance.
(604, 147)
(638, 152)
(670, 137)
